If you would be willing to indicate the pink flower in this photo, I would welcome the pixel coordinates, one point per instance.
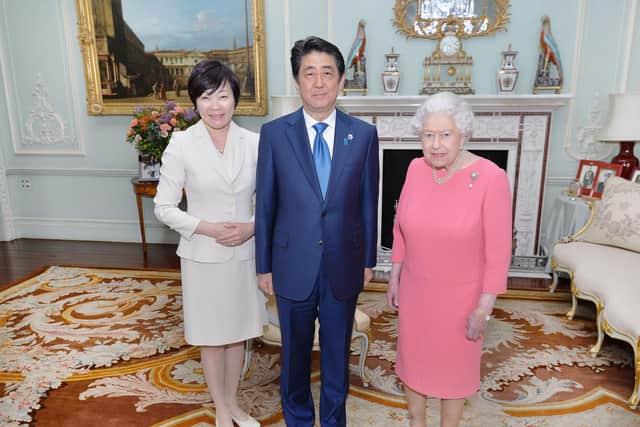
(130, 132)
(134, 123)
(165, 127)
(179, 109)
(173, 121)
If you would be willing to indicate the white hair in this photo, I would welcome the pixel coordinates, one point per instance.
(447, 103)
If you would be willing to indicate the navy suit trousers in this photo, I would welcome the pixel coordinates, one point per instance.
(297, 324)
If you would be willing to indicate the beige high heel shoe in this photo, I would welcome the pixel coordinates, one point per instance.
(249, 422)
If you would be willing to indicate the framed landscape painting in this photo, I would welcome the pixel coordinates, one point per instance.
(141, 52)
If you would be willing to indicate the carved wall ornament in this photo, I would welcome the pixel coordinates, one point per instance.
(44, 126)
(587, 145)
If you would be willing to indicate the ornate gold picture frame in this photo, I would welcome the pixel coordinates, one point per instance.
(136, 54)
(470, 18)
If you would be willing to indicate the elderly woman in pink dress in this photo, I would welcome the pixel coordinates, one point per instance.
(451, 253)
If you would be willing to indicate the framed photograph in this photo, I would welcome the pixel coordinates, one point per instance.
(635, 175)
(587, 172)
(139, 53)
(605, 171)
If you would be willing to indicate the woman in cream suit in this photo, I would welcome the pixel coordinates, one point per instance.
(214, 163)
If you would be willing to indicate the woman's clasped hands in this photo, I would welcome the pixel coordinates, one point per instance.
(227, 233)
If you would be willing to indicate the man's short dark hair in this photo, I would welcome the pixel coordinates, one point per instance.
(211, 75)
(314, 44)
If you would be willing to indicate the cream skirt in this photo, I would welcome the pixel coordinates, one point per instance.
(222, 303)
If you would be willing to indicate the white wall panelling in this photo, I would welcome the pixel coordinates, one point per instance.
(7, 78)
(330, 25)
(631, 18)
(40, 124)
(7, 230)
(577, 62)
(287, 45)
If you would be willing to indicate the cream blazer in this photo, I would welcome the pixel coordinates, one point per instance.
(190, 162)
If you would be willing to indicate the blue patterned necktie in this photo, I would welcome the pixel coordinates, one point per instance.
(321, 157)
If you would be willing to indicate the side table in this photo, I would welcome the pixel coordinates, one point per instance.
(568, 215)
(143, 188)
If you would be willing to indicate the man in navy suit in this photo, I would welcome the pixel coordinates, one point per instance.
(316, 225)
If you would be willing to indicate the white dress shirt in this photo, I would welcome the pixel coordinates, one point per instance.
(328, 134)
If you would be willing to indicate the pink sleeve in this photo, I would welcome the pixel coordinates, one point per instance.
(496, 214)
(397, 254)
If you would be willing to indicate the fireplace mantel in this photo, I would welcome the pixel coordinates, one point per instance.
(481, 103)
(492, 103)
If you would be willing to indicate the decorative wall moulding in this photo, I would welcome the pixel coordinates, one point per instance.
(108, 173)
(587, 145)
(44, 118)
(45, 131)
(7, 230)
(44, 126)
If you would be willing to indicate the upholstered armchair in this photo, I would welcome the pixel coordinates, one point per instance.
(603, 264)
(361, 324)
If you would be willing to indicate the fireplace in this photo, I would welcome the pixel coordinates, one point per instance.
(395, 161)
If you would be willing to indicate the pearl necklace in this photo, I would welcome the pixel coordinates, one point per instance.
(452, 171)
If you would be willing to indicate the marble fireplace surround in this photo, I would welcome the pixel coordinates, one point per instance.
(520, 124)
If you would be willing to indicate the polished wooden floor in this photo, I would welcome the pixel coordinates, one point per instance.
(21, 257)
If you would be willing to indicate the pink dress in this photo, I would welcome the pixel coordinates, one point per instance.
(454, 241)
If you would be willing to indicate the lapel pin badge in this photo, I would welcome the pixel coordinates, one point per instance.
(348, 139)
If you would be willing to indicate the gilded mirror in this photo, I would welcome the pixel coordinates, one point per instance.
(430, 19)
(137, 54)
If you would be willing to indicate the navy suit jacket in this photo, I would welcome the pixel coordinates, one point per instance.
(297, 232)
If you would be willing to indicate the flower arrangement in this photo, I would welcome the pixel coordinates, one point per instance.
(151, 128)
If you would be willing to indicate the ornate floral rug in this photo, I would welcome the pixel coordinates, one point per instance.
(105, 347)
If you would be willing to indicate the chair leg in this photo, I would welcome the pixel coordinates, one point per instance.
(248, 352)
(635, 396)
(554, 283)
(364, 349)
(574, 306)
(600, 333)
